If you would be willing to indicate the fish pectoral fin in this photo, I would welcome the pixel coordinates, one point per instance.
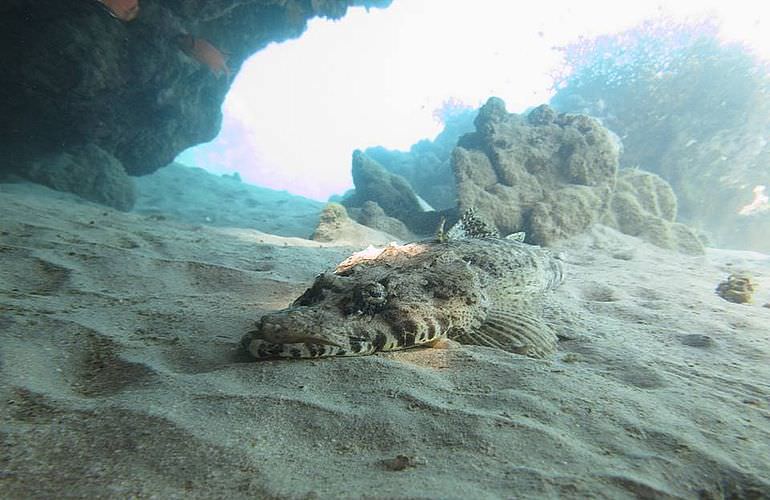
(517, 330)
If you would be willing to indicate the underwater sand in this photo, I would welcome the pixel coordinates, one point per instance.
(122, 375)
(193, 195)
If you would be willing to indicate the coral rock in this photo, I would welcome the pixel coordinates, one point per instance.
(738, 288)
(644, 205)
(549, 175)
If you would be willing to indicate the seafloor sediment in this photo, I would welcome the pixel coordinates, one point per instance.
(123, 376)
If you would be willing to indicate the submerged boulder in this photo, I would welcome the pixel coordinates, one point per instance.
(426, 166)
(391, 192)
(644, 205)
(87, 171)
(738, 288)
(372, 215)
(336, 227)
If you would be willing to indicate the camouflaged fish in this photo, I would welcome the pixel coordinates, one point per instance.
(469, 285)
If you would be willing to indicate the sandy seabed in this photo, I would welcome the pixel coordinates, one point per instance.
(122, 375)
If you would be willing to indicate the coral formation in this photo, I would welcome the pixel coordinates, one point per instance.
(564, 213)
(333, 217)
(549, 175)
(738, 288)
(707, 140)
(542, 115)
(644, 205)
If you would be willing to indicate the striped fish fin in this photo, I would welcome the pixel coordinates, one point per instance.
(515, 331)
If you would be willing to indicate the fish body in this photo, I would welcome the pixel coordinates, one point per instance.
(205, 53)
(485, 291)
(125, 10)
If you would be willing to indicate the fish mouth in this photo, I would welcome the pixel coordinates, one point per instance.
(273, 340)
(262, 349)
(277, 333)
(295, 328)
(302, 332)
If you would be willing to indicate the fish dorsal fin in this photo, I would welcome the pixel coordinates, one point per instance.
(518, 331)
(472, 225)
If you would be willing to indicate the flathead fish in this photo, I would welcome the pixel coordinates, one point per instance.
(477, 290)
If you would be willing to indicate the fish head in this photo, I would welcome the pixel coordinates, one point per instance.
(382, 304)
(332, 317)
(307, 332)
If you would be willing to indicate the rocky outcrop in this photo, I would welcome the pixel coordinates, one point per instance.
(391, 192)
(427, 164)
(141, 90)
(549, 175)
(644, 205)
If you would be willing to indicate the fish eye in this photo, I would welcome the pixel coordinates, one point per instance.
(374, 290)
(371, 297)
